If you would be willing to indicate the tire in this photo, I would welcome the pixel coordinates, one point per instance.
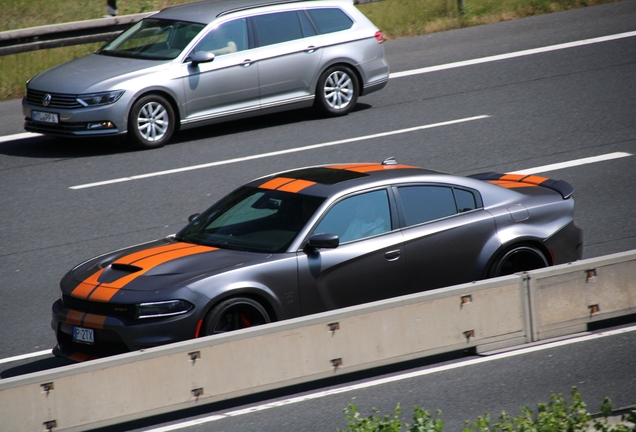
(151, 122)
(234, 314)
(518, 259)
(337, 91)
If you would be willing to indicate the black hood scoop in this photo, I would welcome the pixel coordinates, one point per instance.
(117, 271)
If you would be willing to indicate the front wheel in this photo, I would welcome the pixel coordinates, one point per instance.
(337, 91)
(151, 122)
(518, 259)
(234, 314)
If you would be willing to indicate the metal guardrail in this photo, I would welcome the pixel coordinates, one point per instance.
(487, 315)
(67, 34)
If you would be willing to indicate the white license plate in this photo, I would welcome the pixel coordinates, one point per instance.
(45, 117)
(84, 335)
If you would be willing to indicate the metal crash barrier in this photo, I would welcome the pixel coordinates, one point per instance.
(485, 315)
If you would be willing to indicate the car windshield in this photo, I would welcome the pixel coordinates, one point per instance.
(252, 219)
(153, 39)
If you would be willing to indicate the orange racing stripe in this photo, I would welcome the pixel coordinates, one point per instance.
(105, 292)
(296, 186)
(276, 183)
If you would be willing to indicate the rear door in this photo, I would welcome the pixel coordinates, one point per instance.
(448, 237)
(289, 56)
(368, 265)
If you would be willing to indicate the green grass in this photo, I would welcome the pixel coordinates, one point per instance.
(396, 18)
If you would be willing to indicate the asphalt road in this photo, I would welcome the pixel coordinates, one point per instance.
(545, 108)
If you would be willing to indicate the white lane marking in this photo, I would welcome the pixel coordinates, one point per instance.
(572, 163)
(277, 153)
(23, 135)
(390, 379)
(512, 55)
(25, 356)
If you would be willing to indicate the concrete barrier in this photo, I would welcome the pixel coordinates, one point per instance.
(565, 299)
(483, 315)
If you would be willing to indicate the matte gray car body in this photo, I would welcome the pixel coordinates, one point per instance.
(169, 72)
(310, 240)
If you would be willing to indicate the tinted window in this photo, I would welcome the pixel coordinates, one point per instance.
(252, 219)
(277, 27)
(227, 38)
(330, 20)
(426, 203)
(308, 27)
(465, 200)
(358, 217)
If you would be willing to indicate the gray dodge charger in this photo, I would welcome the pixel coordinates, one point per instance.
(309, 240)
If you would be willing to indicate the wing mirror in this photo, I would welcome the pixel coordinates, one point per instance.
(201, 57)
(323, 241)
(193, 217)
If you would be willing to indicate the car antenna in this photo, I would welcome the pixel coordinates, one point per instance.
(389, 161)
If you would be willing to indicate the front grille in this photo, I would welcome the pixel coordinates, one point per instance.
(99, 308)
(58, 100)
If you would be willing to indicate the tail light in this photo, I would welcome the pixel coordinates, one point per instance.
(379, 37)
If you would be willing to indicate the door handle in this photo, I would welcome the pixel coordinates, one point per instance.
(246, 62)
(310, 49)
(392, 255)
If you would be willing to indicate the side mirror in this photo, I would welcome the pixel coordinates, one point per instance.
(193, 217)
(323, 241)
(201, 57)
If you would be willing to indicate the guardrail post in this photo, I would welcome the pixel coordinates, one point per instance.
(111, 7)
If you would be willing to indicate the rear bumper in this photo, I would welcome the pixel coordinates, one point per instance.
(566, 245)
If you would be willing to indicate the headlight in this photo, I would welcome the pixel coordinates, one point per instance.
(163, 308)
(96, 99)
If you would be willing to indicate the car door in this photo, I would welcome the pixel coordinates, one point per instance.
(448, 237)
(367, 265)
(229, 83)
(289, 56)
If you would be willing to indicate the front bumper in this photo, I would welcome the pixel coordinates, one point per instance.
(116, 335)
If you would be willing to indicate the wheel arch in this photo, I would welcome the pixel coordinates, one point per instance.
(517, 243)
(156, 92)
(262, 297)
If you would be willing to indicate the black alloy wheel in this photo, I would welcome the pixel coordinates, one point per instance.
(234, 314)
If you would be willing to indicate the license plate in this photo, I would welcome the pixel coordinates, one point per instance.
(45, 117)
(84, 335)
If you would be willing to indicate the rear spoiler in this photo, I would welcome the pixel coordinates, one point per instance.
(523, 180)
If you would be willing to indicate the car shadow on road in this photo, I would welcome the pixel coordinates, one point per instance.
(35, 366)
(43, 147)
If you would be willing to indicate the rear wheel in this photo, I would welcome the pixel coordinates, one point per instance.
(337, 91)
(234, 314)
(518, 259)
(151, 122)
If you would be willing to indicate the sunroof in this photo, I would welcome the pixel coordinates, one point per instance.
(327, 176)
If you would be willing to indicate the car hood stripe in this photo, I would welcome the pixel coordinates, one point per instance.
(91, 288)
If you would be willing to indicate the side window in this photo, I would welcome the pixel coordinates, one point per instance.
(227, 38)
(466, 200)
(329, 20)
(426, 203)
(307, 26)
(358, 217)
(277, 27)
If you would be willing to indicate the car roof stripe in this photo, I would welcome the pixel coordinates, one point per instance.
(296, 186)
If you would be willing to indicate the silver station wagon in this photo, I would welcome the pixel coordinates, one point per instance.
(208, 62)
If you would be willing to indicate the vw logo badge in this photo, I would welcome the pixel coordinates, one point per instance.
(46, 100)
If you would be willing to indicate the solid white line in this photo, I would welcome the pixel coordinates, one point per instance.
(277, 153)
(512, 55)
(25, 356)
(572, 163)
(391, 379)
(19, 136)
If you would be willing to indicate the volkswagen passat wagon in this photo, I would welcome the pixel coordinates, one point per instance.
(211, 61)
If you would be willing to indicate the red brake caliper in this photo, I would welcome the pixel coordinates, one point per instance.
(245, 320)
